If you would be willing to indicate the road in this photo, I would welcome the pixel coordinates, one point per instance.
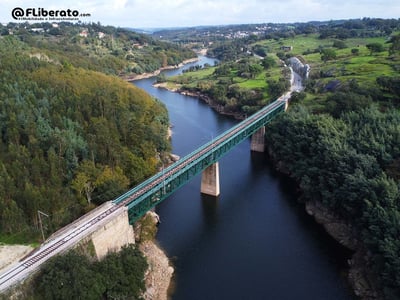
(67, 237)
(296, 82)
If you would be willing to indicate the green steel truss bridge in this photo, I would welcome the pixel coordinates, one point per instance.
(155, 189)
(148, 194)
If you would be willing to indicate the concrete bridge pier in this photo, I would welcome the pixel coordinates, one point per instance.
(210, 180)
(258, 140)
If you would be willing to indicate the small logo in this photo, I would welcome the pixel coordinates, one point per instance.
(17, 13)
(42, 14)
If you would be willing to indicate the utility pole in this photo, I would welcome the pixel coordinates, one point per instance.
(40, 213)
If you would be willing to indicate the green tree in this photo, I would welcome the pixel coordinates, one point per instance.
(69, 277)
(328, 54)
(339, 44)
(123, 273)
(255, 69)
(268, 62)
(375, 47)
(84, 182)
(109, 184)
(277, 87)
(73, 276)
(395, 44)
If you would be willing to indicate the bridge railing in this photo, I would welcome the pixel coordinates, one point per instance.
(153, 190)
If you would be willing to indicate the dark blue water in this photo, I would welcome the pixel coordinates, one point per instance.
(254, 241)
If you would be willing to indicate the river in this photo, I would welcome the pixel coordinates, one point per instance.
(254, 241)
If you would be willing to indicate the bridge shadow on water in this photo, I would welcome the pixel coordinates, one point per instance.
(255, 240)
(210, 210)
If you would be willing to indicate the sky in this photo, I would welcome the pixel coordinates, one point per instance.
(183, 13)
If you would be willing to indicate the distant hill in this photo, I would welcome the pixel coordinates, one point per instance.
(71, 135)
(92, 46)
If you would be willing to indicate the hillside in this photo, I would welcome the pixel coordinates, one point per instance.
(340, 139)
(251, 71)
(107, 49)
(72, 136)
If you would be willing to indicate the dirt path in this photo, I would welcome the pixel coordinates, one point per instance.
(10, 254)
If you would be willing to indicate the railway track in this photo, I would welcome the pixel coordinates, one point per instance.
(24, 268)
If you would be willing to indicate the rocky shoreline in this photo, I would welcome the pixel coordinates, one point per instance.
(159, 272)
(133, 77)
(358, 274)
(209, 101)
(359, 277)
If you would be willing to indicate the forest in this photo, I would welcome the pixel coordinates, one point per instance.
(107, 49)
(340, 139)
(72, 137)
(350, 165)
(77, 275)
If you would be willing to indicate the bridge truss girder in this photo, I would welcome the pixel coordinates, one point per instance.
(157, 193)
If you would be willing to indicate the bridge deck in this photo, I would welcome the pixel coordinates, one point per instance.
(154, 190)
(146, 195)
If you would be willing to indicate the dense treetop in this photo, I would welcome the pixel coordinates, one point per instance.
(70, 137)
(340, 139)
(93, 46)
(76, 276)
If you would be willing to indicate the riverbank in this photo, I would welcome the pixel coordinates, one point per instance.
(358, 271)
(159, 273)
(358, 275)
(358, 266)
(133, 77)
(209, 101)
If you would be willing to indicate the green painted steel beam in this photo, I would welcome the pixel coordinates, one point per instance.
(154, 190)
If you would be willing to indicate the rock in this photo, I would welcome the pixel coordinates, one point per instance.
(174, 157)
(338, 229)
(159, 277)
(159, 274)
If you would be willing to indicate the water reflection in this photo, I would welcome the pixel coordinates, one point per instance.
(252, 242)
(210, 210)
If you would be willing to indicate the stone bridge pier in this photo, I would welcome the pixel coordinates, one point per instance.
(210, 180)
(210, 176)
(258, 140)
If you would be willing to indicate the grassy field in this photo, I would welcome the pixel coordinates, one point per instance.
(194, 78)
(364, 67)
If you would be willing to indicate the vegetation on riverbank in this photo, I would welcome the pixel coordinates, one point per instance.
(107, 49)
(237, 88)
(349, 165)
(76, 276)
(251, 73)
(340, 139)
(71, 137)
(342, 143)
